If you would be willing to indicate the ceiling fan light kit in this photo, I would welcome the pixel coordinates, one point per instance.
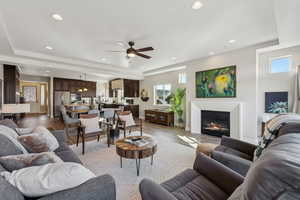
(132, 52)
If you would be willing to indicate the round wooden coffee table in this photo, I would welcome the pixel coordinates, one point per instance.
(130, 151)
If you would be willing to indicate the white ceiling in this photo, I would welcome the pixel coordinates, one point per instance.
(92, 27)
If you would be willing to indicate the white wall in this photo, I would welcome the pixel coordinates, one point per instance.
(247, 83)
(150, 81)
(276, 82)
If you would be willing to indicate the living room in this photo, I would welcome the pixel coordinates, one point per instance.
(149, 100)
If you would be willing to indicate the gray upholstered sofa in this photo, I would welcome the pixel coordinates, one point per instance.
(238, 155)
(275, 175)
(99, 188)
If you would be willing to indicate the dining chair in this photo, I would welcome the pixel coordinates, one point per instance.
(89, 127)
(94, 112)
(126, 121)
(108, 114)
(68, 121)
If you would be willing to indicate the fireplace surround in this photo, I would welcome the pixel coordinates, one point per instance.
(234, 108)
(216, 123)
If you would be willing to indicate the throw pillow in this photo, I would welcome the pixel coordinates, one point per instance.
(42, 180)
(41, 140)
(272, 129)
(11, 135)
(16, 162)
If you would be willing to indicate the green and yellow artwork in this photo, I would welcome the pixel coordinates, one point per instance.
(216, 83)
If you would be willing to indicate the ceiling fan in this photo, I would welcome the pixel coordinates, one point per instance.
(132, 52)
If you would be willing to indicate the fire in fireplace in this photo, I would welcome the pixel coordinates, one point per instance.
(215, 123)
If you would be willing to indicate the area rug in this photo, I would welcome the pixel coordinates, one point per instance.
(171, 158)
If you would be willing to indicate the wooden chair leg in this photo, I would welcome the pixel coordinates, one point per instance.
(77, 139)
(98, 139)
(124, 132)
(141, 131)
(83, 144)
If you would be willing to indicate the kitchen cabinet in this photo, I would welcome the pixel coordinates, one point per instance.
(11, 84)
(131, 88)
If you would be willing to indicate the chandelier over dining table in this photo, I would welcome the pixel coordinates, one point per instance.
(83, 89)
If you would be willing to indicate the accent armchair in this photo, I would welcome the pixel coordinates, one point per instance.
(89, 128)
(126, 121)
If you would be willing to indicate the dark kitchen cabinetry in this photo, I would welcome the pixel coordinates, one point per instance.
(131, 88)
(160, 117)
(72, 86)
(11, 84)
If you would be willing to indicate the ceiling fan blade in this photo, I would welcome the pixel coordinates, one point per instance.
(143, 55)
(145, 49)
(116, 51)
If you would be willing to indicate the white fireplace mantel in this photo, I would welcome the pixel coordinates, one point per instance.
(235, 109)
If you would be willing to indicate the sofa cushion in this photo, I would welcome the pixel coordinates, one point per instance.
(233, 152)
(68, 156)
(289, 128)
(8, 122)
(9, 192)
(7, 147)
(190, 185)
(15, 162)
(276, 174)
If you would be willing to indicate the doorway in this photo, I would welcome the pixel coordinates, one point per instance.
(37, 95)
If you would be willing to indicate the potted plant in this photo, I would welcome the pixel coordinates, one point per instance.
(176, 100)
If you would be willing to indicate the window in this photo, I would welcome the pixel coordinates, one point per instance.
(281, 64)
(161, 93)
(182, 78)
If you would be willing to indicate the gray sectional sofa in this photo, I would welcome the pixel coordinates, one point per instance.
(99, 188)
(275, 175)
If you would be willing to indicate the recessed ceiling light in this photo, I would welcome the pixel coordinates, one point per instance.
(173, 58)
(103, 59)
(232, 41)
(49, 48)
(57, 17)
(120, 44)
(47, 71)
(197, 5)
(211, 53)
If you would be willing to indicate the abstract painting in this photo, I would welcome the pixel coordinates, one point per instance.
(216, 83)
(276, 102)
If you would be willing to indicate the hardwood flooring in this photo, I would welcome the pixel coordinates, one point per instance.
(171, 133)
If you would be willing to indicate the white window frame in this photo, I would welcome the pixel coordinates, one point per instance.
(182, 76)
(289, 57)
(154, 94)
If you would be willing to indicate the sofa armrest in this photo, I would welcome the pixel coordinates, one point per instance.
(225, 178)
(235, 163)
(60, 136)
(238, 145)
(99, 188)
(152, 191)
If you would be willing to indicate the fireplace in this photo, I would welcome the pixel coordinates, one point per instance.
(215, 123)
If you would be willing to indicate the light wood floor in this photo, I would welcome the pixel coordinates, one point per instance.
(153, 129)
